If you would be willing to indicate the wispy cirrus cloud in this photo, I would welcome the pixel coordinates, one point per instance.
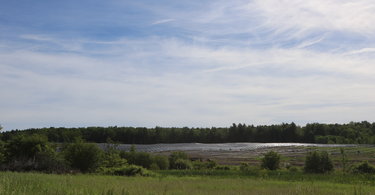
(162, 21)
(334, 15)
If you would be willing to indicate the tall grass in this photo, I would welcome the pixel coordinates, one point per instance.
(39, 184)
(281, 175)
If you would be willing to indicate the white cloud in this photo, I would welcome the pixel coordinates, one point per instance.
(361, 51)
(336, 15)
(173, 83)
(285, 19)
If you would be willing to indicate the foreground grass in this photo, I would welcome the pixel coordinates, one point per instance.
(36, 183)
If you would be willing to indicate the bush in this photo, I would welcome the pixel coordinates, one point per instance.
(131, 170)
(138, 158)
(24, 148)
(222, 167)
(143, 159)
(183, 164)
(112, 158)
(83, 156)
(363, 167)
(34, 152)
(318, 162)
(176, 156)
(50, 162)
(209, 164)
(249, 170)
(293, 169)
(271, 161)
(161, 161)
(154, 166)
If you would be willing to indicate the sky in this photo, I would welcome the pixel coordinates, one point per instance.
(185, 63)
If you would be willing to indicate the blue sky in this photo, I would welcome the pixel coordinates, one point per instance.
(185, 63)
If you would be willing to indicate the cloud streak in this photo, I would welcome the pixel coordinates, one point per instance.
(162, 21)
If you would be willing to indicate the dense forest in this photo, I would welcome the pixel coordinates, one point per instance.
(351, 133)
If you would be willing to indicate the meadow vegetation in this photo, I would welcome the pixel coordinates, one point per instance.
(34, 165)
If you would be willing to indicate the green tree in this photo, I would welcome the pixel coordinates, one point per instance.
(183, 164)
(161, 161)
(27, 147)
(318, 162)
(175, 156)
(32, 152)
(143, 159)
(271, 161)
(112, 158)
(138, 158)
(85, 157)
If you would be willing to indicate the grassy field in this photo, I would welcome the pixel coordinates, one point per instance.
(169, 183)
(233, 181)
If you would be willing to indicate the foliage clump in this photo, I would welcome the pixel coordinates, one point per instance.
(161, 162)
(202, 165)
(33, 152)
(249, 170)
(363, 168)
(128, 170)
(179, 160)
(85, 157)
(271, 161)
(318, 162)
(183, 164)
(146, 160)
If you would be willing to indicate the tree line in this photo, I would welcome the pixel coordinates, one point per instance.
(350, 133)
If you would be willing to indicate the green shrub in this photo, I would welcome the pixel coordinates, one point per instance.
(176, 156)
(83, 156)
(50, 162)
(143, 159)
(161, 161)
(318, 162)
(34, 152)
(138, 158)
(249, 170)
(222, 167)
(199, 165)
(210, 164)
(271, 161)
(293, 169)
(363, 167)
(183, 164)
(244, 166)
(154, 166)
(131, 170)
(112, 159)
(27, 147)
